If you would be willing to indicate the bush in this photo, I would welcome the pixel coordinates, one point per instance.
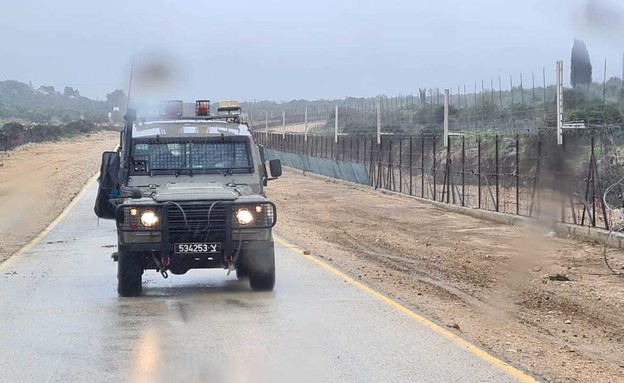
(13, 134)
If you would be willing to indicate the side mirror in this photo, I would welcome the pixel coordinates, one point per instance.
(276, 168)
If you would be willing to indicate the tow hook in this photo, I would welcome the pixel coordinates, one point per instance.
(165, 263)
(230, 263)
(162, 265)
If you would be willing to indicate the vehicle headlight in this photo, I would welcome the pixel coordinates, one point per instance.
(254, 215)
(244, 216)
(149, 219)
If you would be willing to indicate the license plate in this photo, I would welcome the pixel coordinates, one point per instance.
(193, 248)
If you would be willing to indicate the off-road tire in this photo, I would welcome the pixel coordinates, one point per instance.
(129, 275)
(262, 272)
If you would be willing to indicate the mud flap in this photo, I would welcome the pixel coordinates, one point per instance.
(108, 187)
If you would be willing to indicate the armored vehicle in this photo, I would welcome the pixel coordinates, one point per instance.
(186, 190)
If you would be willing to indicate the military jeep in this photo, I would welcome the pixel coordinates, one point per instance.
(187, 191)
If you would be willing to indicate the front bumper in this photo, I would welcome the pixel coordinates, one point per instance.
(219, 228)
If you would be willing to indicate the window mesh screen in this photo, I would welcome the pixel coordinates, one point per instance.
(193, 156)
(219, 155)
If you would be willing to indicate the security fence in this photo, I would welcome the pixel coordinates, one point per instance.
(524, 174)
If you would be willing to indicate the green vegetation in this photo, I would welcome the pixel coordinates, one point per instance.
(13, 134)
(506, 111)
(45, 114)
(21, 102)
(581, 67)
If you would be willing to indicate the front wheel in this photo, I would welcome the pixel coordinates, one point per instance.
(262, 272)
(129, 273)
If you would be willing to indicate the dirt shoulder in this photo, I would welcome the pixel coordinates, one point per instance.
(37, 181)
(488, 281)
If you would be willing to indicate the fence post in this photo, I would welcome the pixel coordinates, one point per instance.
(411, 162)
(371, 165)
(448, 165)
(479, 170)
(517, 175)
(435, 194)
(593, 178)
(336, 126)
(446, 116)
(283, 123)
(422, 166)
(306, 124)
(463, 164)
(559, 102)
(497, 177)
(400, 164)
(378, 121)
(536, 179)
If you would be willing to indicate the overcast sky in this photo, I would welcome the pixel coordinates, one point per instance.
(288, 49)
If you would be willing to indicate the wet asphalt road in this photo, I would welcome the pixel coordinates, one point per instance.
(61, 321)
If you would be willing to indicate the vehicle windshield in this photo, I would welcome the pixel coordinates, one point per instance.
(191, 157)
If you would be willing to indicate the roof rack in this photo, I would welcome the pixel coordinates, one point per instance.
(228, 111)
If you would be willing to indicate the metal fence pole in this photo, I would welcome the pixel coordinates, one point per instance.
(517, 175)
(336, 126)
(446, 116)
(479, 171)
(448, 169)
(435, 194)
(497, 177)
(400, 164)
(378, 121)
(422, 166)
(306, 124)
(463, 165)
(411, 160)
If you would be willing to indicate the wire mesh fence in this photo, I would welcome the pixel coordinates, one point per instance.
(525, 174)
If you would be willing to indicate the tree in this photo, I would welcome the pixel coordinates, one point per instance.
(581, 68)
(71, 92)
(117, 98)
(422, 95)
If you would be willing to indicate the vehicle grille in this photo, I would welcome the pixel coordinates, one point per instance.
(197, 227)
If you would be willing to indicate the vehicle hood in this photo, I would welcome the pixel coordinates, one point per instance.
(194, 192)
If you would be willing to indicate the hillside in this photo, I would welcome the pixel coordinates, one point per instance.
(22, 102)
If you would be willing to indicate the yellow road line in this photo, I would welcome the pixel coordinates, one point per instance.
(484, 355)
(26, 248)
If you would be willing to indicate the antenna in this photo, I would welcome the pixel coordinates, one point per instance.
(130, 81)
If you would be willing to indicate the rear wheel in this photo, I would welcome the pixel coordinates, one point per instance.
(129, 273)
(262, 272)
